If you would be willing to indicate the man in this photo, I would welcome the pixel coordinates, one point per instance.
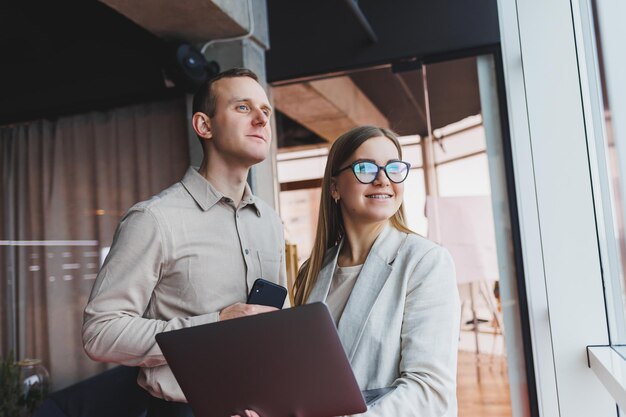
(188, 255)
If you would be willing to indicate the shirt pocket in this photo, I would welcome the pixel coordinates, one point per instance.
(269, 265)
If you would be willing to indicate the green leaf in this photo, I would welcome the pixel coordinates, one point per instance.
(10, 387)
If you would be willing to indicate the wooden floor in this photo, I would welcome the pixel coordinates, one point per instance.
(490, 396)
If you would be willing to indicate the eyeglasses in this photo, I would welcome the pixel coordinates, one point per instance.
(366, 172)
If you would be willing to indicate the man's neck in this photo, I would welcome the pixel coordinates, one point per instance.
(228, 179)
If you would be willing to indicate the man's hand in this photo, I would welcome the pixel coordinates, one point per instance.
(249, 413)
(241, 310)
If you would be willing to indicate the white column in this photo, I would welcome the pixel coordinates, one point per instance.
(555, 203)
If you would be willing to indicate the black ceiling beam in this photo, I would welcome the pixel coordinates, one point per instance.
(309, 39)
(353, 5)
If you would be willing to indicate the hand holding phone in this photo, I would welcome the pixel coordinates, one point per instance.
(267, 293)
(237, 310)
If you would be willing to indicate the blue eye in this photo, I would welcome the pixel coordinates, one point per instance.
(243, 107)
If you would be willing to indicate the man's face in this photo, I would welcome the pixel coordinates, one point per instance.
(240, 127)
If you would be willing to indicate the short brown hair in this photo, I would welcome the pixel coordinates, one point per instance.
(204, 100)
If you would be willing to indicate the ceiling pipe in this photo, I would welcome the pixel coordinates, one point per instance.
(360, 17)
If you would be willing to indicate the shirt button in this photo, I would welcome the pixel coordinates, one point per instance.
(247, 251)
(237, 215)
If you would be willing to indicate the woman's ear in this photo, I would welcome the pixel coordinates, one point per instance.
(334, 194)
(202, 125)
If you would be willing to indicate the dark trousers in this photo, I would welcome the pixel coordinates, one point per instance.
(161, 408)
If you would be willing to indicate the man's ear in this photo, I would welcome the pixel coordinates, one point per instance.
(202, 125)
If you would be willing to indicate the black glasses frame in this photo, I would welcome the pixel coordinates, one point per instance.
(383, 167)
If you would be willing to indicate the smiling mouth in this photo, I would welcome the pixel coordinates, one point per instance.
(379, 196)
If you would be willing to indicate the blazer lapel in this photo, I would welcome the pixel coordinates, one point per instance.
(372, 278)
(325, 276)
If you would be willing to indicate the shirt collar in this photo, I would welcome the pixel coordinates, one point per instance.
(203, 192)
(250, 199)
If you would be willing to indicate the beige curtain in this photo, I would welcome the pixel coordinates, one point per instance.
(66, 183)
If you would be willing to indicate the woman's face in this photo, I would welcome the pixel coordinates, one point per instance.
(368, 203)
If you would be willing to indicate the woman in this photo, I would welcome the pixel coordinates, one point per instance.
(392, 293)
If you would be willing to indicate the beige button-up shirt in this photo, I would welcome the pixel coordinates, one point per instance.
(177, 259)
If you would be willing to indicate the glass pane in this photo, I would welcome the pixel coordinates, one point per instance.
(299, 210)
(71, 180)
(611, 162)
(414, 200)
(468, 176)
(460, 218)
(412, 153)
(460, 139)
(460, 169)
(301, 169)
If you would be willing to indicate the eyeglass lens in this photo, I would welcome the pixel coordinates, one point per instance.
(366, 172)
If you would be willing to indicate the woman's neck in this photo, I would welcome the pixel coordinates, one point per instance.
(358, 242)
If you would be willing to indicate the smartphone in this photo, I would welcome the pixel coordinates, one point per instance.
(267, 293)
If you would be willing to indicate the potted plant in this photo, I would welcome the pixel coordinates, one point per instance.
(10, 387)
(23, 386)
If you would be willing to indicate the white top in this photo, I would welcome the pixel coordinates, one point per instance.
(340, 289)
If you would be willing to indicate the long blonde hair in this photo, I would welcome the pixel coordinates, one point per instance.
(330, 228)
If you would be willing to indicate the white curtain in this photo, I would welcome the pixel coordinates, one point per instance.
(66, 183)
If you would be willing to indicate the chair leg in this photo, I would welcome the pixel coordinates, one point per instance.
(475, 325)
(499, 330)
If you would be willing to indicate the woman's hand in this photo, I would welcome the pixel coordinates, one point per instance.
(249, 413)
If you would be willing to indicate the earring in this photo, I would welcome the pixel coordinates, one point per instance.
(336, 200)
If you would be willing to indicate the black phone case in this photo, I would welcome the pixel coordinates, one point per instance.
(267, 293)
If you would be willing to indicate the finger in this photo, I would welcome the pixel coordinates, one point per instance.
(236, 306)
(263, 309)
(233, 311)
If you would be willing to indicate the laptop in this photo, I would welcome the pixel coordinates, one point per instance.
(373, 396)
(279, 364)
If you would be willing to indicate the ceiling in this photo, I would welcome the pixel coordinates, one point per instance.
(309, 38)
(452, 93)
(64, 57)
(398, 96)
(70, 56)
(320, 54)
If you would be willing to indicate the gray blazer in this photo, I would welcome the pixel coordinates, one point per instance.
(400, 325)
